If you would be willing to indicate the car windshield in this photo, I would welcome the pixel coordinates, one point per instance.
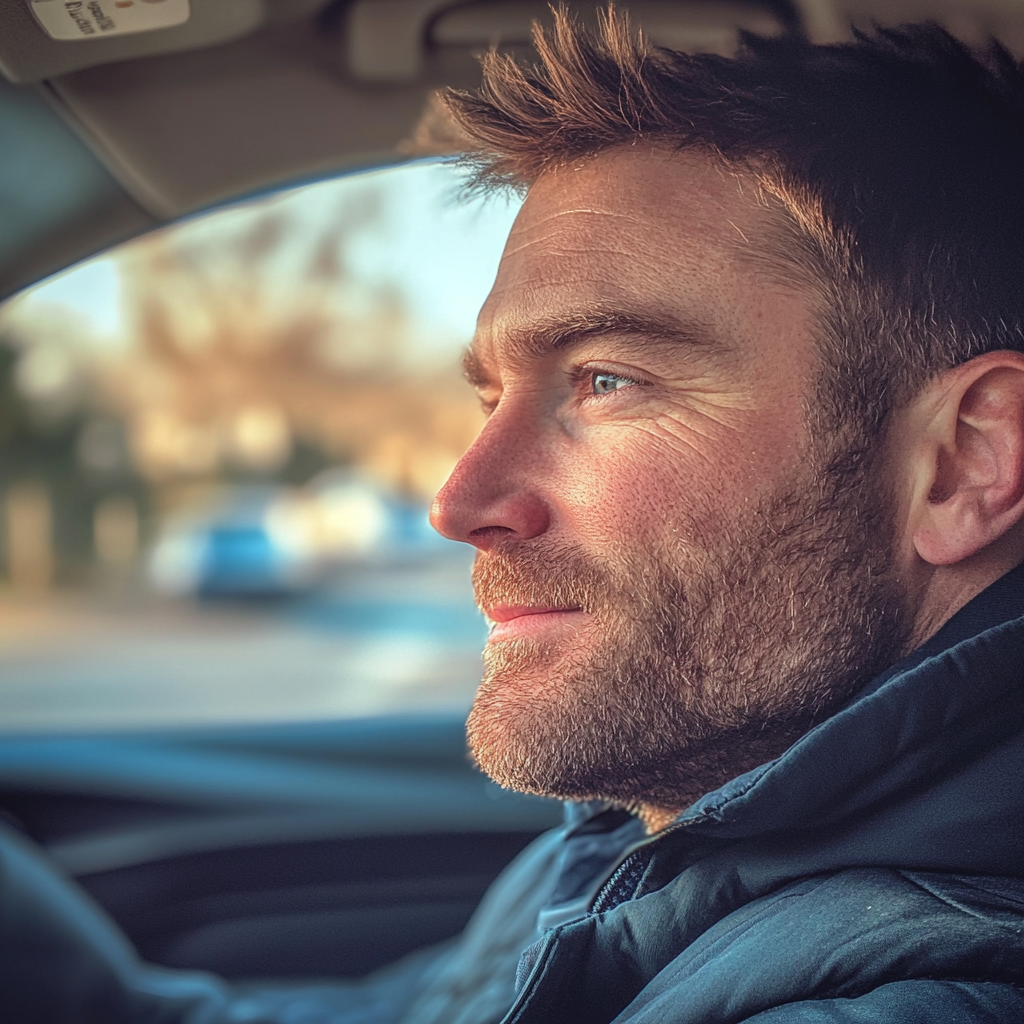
(220, 443)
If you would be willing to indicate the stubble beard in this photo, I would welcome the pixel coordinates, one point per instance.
(701, 658)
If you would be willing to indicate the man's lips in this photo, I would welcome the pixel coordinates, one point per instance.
(508, 612)
(522, 620)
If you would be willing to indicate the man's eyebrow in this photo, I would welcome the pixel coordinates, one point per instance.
(542, 337)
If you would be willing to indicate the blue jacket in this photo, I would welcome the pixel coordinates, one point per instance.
(875, 872)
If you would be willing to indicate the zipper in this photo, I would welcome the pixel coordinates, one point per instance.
(641, 852)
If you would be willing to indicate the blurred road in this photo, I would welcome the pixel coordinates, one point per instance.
(379, 639)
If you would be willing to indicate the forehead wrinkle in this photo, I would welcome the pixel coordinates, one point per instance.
(543, 336)
(548, 226)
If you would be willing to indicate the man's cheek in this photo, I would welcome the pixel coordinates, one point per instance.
(623, 497)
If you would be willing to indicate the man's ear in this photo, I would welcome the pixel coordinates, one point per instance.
(970, 462)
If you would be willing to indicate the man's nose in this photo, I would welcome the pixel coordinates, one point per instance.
(493, 494)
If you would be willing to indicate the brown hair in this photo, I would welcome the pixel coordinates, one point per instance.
(897, 162)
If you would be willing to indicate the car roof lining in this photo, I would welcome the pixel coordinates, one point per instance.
(296, 98)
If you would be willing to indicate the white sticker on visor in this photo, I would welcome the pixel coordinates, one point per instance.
(98, 19)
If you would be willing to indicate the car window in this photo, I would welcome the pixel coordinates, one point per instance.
(219, 445)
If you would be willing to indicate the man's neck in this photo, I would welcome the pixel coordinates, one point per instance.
(735, 754)
(945, 589)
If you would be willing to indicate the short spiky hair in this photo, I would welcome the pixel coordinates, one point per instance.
(897, 161)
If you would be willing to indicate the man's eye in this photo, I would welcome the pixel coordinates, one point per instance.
(605, 383)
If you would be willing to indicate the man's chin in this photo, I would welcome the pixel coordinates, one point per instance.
(514, 724)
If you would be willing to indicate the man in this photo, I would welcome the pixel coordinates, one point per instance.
(749, 512)
(748, 506)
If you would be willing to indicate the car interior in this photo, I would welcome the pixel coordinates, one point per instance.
(329, 847)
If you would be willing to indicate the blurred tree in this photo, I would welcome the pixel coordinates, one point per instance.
(257, 357)
(43, 475)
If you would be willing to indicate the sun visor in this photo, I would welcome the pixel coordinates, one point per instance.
(42, 39)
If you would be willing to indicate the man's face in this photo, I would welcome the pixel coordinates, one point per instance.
(676, 592)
